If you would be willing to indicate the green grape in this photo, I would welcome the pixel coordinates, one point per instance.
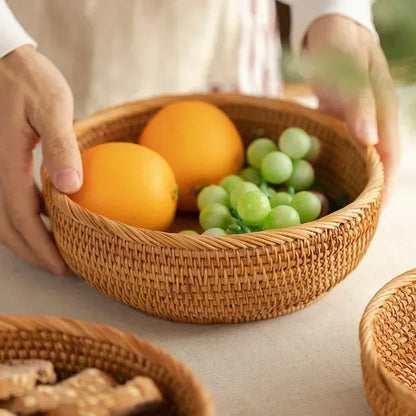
(239, 190)
(314, 151)
(214, 231)
(307, 204)
(230, 181)
(253, 207)
(251, 174)
(211, 194)
(280, 198)
(258, 149)
(188, 232)
(302, 176)
(295, 142)
(266, 189)
(214, 216)
(282, 216)
(276, 167)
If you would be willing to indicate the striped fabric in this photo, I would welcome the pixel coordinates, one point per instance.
(259, 51)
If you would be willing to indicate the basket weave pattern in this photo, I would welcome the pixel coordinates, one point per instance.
(236, 278)
(388, 348)
(74, 345)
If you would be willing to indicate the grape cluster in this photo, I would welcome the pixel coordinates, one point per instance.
(272, 192)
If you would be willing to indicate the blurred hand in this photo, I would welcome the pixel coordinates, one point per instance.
(35, 103)
(371, 112)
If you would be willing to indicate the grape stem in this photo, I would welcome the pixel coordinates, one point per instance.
(238, 227)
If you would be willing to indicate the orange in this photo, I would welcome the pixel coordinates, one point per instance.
(129, 183)
(200, 143)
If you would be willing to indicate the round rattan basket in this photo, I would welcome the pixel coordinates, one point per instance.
(75, 345)
(388, 348)
(236, 278)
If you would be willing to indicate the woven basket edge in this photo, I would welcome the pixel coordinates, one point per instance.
(369, 356)
(105, 333)
(371, 194)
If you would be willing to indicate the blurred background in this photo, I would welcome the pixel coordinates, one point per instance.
(397, 30)
(394, 21)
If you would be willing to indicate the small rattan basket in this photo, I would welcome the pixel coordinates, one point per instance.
(206, 279)
(388, 348)
(75, 345)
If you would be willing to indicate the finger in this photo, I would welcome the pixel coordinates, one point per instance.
(357, 101)
(53, 123)
(355, 105)
(360, 116)
(329, 99)
(325, 107)
(12, 239)
(25, 218)
(358, 111)
(387, 117)
(22, 207)
(24, 213)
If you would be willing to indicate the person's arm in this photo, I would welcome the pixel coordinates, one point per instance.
(35, 104)
(322, 26)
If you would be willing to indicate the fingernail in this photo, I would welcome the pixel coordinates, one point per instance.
(68, 181)
(369, 133)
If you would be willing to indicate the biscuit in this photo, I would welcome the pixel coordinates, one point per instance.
(128, 399)
(139, 396)
(82, 388)
(18, 377)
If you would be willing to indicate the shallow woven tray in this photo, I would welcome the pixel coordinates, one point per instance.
(388, 348)
(236, 278)
(75, 345)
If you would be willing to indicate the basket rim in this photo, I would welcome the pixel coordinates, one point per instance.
(125, 340)
(371, 193)
(367, 343)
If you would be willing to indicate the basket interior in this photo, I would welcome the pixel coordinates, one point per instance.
(70, 354)
(341, 169)
(395, 334)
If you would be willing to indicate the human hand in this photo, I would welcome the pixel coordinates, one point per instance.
(35, 104)
(371, 111)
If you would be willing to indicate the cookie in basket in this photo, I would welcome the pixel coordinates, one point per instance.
(80, 388)
(139, 396)
(18, 377)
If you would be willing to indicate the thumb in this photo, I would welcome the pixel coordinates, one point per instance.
(61, 155)
(360, 115)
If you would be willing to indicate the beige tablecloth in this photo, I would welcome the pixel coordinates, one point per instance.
(306, 363)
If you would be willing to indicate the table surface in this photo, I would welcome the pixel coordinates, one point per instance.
(306, 363)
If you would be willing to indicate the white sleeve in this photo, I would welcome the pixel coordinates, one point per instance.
(12, 35)
(304, 12)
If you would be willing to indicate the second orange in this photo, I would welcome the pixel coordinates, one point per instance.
(200, 143)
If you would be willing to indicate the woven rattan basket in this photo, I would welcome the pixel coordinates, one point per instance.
(75, 345)
(388, 348)
(235, 278)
